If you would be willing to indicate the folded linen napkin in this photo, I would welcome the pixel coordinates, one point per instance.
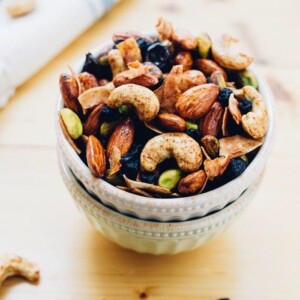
(29, 42)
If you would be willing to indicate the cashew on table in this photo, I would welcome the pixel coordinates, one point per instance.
(183, 148)
(13, 265)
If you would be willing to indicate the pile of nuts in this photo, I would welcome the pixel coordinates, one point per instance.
(166, 116)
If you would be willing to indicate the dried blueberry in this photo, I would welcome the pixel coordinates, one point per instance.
(235, 168)
(110, 115)
(224, 96)
(93, 67)
(131, 162)
(245, 106)
(149, 177)
(144, 45)
(195, 134)
(159, 55)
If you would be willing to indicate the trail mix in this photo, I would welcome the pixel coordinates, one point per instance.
(167, 115)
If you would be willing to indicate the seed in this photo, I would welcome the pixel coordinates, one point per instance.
(72, 123)
(169, 178)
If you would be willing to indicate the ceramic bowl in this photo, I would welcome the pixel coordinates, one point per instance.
(151, 236)
(174, 208)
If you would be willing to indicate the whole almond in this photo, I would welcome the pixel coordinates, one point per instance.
(185, 59)
(87, 81)
(211, 123)
(95, 156)
(122, 137)
(190, 79)
(192, 183)
(69, 92)
(208, 66)
(172, 122)
(197, 101)
(92, 124)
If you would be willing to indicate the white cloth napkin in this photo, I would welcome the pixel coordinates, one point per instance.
(29, 42)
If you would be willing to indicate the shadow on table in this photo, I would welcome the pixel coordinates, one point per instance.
(201, 274)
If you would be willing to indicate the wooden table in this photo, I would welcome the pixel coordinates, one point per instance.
(257, 258)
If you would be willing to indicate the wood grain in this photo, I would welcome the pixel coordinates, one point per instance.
(257, 258)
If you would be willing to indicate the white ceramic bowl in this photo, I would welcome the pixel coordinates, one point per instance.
(148, 236)
(173, 208)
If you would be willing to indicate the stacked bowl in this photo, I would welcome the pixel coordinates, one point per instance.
(154, 225)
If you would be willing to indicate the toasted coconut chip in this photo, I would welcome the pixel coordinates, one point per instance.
(216, 167)
(73, 73)
(237, 145)
(154, 127)
(66, 134)
(124, 188)
(233, 107)
(184, 38)
(159, 93)
(130, 50)
(225, 122)
(239, 94)
(114, 161)
(137, 74)
(164, 29)
(94, 97)
(204, 185)
(116, 62)
(171, 89)
(205, 153)
(141, 193)
(146, 186)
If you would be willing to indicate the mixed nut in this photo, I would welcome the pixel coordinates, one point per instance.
(165, 116)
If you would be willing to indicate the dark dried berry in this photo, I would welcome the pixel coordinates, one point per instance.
(195, 134)
(224, 96)
(149, 177)
(144, 45)
(159, 55)
(110, 114)
(93, 67)
(235, 168)
(131, 162)
(245, 106)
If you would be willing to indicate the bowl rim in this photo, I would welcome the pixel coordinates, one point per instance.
(190, 227)
(133, 199)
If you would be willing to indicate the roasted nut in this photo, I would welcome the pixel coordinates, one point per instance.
(137, 74)
(185, 59)
(211, 123)
(226, 53)
(94, 96)
(171, 90)
(169, 178)
(92, 123)
(130, 50)
(116, 62)
(192, 183)
(211, 145)
(208, 66)
(184, 38)
(122, 138)
(95, 156)
(246, 77)
(216, 167)
(164, 29)
(69, 92)
(87, 81)
(13, 265)
(114, 162)
(237, 145)
(233, 107)
(172, 122)
(142, 99)
(255, 122)
(18, 8)
(204, 44)
(197, 101)
(191, 125)
(183, 148)
(72, 122)
(103, 82)
(190, 79)
(217, 78)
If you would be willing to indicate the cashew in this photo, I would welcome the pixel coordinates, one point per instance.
(183, 148)
(142, 99)
(255, 122)
(12, 265)
(226, 54)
